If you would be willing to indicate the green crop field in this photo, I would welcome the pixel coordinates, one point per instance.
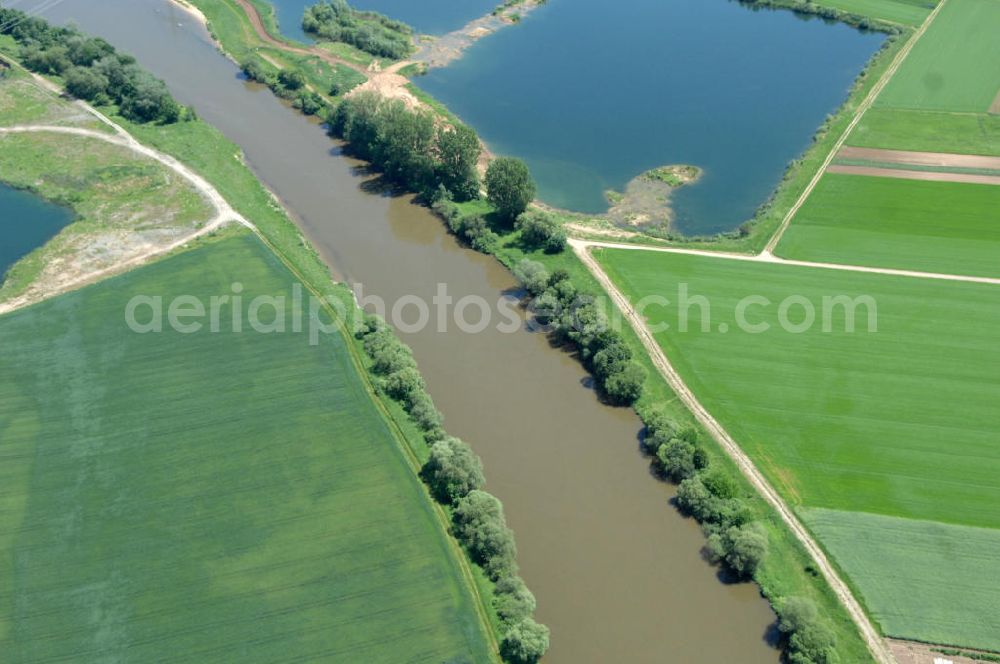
(953, 66)
(946, 572)
(907, 12)
(928, 131)
(909, 224)
(209, 496)
(901, 421)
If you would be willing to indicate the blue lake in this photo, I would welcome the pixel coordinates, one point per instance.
(591, 95)
(430, 17)
(26, 223)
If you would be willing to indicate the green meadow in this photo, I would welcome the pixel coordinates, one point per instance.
(901, 421)
(212, 496)
(953, 66)
(906, 12)
(928, 131)
(947, 573)
(928, 226)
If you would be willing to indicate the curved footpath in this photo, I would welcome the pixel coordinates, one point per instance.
(224, 213)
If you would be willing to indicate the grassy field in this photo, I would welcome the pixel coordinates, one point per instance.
(950, 68)
(906, 12)
(124, 203)
(928, 131)
(24, 102)
(898, 422)
(211, 495)
(909, 224)
(949, 573)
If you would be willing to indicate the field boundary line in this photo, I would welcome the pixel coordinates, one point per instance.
(862, 109)
(771, 259)
(402, 443)
(225, 213)
(876, 644)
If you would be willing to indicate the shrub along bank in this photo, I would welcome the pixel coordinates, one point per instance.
(738, 540)
(811, 8)
(454, 475)
(91, 69)
(413, 148)
(335, 20)
(288, 84)
(737, 522)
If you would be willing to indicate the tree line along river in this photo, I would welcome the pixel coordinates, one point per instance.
(617, 572)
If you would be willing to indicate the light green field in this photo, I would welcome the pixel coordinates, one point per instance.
(928, 131)
(210, 496)
(953, 66)
(900, 422)
(907, 12)
(908, 224)
(952, 590)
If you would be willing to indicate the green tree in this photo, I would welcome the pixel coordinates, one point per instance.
(741, 548)
(481, 527)
(512, 600)
(525, 642)
(86, 83)
(509, 187)
(458, 150)
(291, 79)
(809, 639)
(677, 459)
(403, 145)
(404, 385)
(453, 470)
(533, 276)
(540, 230)
(625, 387)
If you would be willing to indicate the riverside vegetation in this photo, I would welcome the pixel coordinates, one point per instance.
(452, 473)
(737, 539)
(91, 69)
(371, 32)
(406, 145)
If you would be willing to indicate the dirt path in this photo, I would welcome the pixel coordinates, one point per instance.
(911, 652)
(911, 158)
(875, 643)
(387, 82)
(771, 258)
(224, 213)
(440, 51)
(906, 174)
(862, 109)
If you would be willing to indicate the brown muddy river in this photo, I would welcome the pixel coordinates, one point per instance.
(617, 572)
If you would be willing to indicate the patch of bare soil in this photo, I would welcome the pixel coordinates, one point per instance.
(645, 204)
(911, 652)
(903, 174)
(450, 47)
(940, 159)
(387, 83)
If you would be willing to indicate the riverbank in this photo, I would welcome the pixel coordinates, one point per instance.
(175, 146)
(778, 582)
(147, 205)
